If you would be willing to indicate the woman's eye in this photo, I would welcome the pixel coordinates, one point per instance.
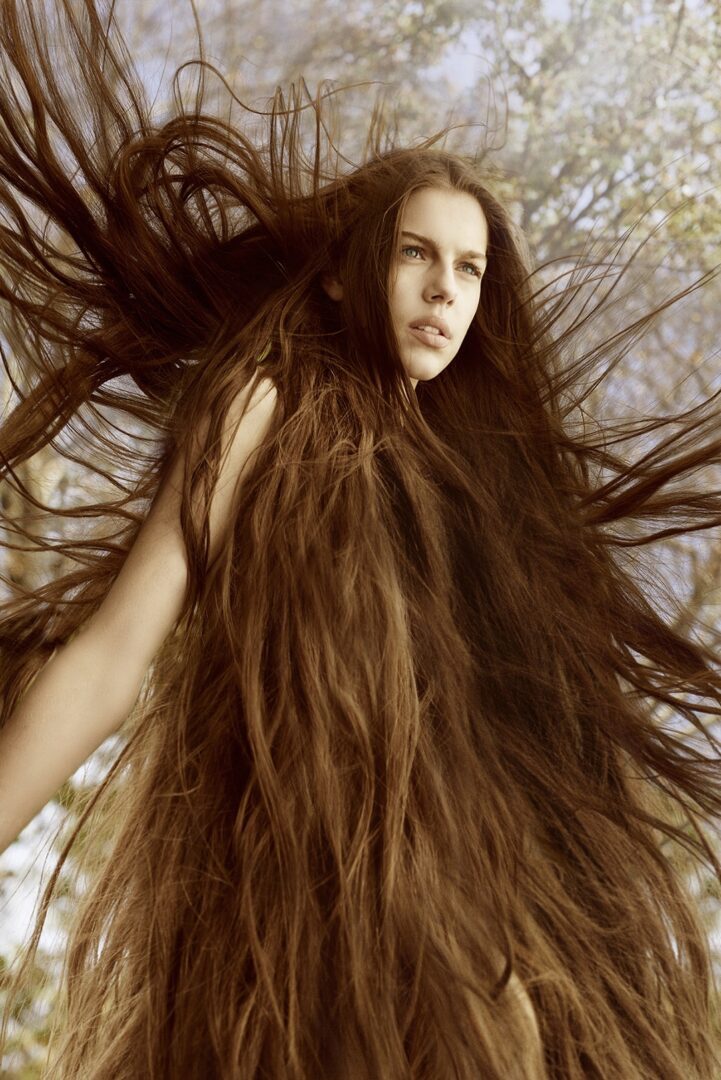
(472, 269)
(411, 250)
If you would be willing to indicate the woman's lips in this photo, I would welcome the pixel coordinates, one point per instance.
(433, 338)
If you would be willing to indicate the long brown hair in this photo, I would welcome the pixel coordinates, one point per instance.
(401, 748)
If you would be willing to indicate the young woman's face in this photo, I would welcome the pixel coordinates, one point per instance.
(436, 278)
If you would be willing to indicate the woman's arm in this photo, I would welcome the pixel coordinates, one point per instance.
(88, 687)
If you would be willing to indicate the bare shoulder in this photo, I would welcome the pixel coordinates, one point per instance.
(247, 422)
(264, 393)
(245, 425)
(145, 600)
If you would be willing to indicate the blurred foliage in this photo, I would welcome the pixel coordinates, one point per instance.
(591, 117)
(31, 1015)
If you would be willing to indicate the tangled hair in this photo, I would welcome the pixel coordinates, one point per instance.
(399, 757)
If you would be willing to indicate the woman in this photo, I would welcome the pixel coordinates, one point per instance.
(390, 801)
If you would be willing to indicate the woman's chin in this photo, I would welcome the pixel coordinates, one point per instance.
(425, 371)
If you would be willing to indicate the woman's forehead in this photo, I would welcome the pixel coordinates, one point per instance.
(447, 217)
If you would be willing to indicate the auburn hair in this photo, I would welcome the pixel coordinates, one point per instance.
(399, 759)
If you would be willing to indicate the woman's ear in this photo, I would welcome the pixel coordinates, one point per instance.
(333, 286)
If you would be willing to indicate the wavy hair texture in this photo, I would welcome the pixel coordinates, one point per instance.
(400, 756)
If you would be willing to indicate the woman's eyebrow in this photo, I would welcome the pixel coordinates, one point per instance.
(429, 243)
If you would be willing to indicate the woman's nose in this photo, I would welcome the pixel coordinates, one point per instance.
(441, 285)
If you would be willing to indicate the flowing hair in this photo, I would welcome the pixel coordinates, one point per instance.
(400, 755)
